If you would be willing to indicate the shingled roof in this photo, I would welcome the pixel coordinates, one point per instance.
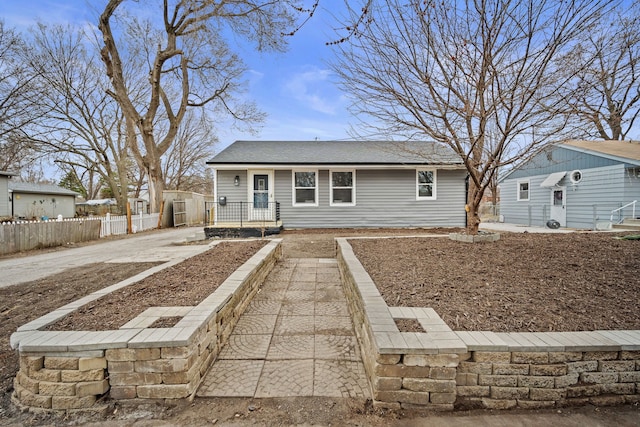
(335, 153)
(621, 149)
(29, 187)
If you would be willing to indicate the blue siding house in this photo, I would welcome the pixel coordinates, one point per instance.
(576, 183)
(311, 184)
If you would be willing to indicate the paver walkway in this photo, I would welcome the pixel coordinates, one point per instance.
(295, 339)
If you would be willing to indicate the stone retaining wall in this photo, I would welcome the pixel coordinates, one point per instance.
(71, 370)
(443, 369)
(501, 380)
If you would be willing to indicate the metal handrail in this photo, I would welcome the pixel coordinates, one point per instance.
(633, 212)
(242, 212)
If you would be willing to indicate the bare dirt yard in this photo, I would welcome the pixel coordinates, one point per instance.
(184, 284)
(22, 303)
(523, 282)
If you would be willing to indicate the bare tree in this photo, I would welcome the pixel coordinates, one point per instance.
(84, 128)
(606, 93)
(185, 50)
(479, 76)
(17, 106)
(185, 162)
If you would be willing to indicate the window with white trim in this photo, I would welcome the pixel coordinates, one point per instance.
(523, 191)
(425, 184)
(342, 186)
(305, 188)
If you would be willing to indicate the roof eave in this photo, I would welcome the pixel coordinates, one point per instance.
(620, 159)
(257, 165)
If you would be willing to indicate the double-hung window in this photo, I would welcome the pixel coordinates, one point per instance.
(523, 190)
(343, 185)
(426, 184)
(305, 188)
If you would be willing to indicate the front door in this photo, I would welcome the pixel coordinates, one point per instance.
(261, 196)
(558, 205)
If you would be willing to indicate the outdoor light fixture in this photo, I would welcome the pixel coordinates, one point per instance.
(236, 180)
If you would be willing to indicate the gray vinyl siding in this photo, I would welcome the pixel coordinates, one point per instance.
(384, 198)
(226, 187)
(587, 203)
(5, 208)
(558, 159)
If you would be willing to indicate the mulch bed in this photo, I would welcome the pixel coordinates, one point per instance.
(522, 283)
(185, 284)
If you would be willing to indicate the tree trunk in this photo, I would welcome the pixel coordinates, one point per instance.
(473, 204)
(156, 187)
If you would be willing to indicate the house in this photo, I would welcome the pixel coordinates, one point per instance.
(34, 201)
(308, 184)
(5, 205)
(576, 183)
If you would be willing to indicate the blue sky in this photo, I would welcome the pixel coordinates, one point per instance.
(295, 89)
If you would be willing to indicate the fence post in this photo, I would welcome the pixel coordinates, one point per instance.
(140, 227)
(595, 217)
(107, 229)
(129, 228)
(241, 213)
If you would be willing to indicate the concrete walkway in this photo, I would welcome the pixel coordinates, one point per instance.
(295, 339)
(153, 246)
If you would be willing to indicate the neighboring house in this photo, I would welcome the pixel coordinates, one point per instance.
(5, 204)
(96, 207)
(340, 184)
(34, 201)
(576, 183)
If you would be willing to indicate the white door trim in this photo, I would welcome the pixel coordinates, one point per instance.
(256, 212)
(559, 211)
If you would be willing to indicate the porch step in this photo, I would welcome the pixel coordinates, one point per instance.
(628, 224)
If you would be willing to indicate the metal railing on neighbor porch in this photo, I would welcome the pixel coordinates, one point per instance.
(620, 211)
(242, 213)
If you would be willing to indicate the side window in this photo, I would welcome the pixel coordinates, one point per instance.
(343, 188)
(523, 190)
(425, 184)
(305, 188)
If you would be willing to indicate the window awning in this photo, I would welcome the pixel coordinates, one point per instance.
(553, 179)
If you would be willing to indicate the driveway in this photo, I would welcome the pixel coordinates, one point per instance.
(150, 246)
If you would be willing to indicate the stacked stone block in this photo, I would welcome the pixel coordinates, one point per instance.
(410, 380)
(72, 381)
(429, 371)
(501, 380)
(165, 372)
(408, 377)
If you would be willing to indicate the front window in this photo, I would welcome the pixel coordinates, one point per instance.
(305, 188)
(343, 188)
(523, 190)
(426, 184)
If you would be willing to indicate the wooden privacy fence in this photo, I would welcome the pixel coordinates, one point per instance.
(25, 235)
